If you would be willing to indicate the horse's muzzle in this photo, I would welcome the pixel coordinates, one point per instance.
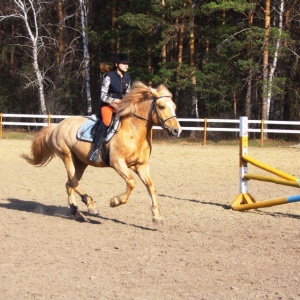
(174, 131)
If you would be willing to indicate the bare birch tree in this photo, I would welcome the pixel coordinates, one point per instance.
(195, 110)
(270, 68)
(275, 59)
(267, 12)
(249, 79)
(30, 12)
(83, 12)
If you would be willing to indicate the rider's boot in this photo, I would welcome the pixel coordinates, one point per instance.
(98, 141)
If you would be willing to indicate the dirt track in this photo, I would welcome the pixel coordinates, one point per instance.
(204, 250)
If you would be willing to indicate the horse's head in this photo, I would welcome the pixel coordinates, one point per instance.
(164, 111)
(152, 105)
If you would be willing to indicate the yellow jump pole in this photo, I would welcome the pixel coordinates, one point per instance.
(269, 168)
(268, 203)
(243, 197)
(273, 180)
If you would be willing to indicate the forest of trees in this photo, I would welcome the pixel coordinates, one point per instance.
(220, 59)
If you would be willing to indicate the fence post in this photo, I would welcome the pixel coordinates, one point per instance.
(49, 119)
(1, 125)
(262, 133)
(205, 131)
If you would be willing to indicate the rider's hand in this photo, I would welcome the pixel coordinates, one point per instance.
(115, 103)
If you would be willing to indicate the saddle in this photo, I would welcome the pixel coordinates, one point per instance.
(87, 130)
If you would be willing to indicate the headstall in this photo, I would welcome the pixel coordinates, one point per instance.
(154, 107)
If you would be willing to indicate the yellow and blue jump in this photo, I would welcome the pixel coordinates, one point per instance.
(244, 200)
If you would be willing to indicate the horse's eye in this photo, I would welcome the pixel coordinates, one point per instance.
(161, 107)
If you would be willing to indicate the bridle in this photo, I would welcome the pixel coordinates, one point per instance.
(152, 110)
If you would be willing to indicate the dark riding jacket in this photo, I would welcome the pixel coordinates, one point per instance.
(114, 86)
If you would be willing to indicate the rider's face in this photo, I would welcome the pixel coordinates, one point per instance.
(123, 67)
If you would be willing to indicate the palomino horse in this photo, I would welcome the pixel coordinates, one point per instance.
(129, 148)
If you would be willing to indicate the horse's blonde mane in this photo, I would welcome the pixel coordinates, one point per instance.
(139, 92)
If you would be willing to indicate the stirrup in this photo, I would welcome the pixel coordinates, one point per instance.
(95, 156)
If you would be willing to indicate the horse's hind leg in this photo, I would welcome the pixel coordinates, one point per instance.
(88, 200)
(75, 170)
(72, 202)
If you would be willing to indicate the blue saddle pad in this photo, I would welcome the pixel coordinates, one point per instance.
(85, 132)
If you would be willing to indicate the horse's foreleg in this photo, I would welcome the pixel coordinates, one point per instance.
(124, 172)
(144, 174)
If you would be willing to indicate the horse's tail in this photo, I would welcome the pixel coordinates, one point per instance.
(41, 151)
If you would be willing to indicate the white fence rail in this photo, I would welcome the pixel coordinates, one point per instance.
(205, 125)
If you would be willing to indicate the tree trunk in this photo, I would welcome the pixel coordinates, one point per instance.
(12, 54)
(180, 43)
(274, 63)
(234, 103)
(149, 60)
(195, 110)
(33, 33)
(40, 82)
(248, 95)
(86, 54)
(250, 76)
(61, 46)
(115, 45)
(266, 60)
(179, 57)
(164, 46)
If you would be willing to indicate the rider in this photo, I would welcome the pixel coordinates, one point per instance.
(114, 86)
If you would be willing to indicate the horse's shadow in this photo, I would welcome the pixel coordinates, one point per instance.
(274, 214)
(56, 211)
(225, 206)
(35, 207)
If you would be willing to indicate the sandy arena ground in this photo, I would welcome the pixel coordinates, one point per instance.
(204, 250)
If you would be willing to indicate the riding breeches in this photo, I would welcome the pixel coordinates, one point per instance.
(106, 113)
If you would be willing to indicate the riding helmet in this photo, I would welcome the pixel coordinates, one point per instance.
(121, 58)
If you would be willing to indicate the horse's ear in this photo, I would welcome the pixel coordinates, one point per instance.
(153, 92)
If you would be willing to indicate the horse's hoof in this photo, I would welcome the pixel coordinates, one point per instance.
(93, 211)
(157, 221)
(114, 202)
(79, 216)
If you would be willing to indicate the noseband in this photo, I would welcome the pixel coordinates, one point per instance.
(152, 109)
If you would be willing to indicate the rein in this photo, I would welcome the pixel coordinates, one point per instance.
(154, 106)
